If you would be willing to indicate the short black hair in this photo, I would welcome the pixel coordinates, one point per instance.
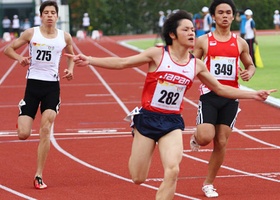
(172, 22)
(48, 3)
(215, 3)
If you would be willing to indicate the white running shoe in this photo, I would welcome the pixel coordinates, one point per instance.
(193, 144)
(209, 191)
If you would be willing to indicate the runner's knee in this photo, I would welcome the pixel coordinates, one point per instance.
(23, 134)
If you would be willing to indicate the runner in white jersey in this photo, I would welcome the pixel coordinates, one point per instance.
(159, 121)
(45, 56)
(46, 44)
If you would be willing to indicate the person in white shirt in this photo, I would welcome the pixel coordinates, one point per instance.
(207, 20)
(16, 26)
(37, 20)
(276, 20)
(26, 24)
(6, 24)
(160, 24)
(86, 23)
(250, 32)
(46, 44)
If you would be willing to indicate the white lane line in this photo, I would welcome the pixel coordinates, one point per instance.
(233, 169)
(256, 139)
(2, 48)
(97, 95)
(12, 67)
(1, 81)
(16, 193)
(55, 144)
(268, 174)
(94, 131)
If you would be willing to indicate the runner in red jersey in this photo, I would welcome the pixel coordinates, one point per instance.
(222, 60)
(159, 121)
(166, 94)
(222, 51)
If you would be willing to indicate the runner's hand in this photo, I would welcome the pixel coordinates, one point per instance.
(80, 59)
(263, 94)
(23, 61)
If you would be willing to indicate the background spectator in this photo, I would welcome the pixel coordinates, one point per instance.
(276, 20)
(6, 24)
(241, 18)
(250, 33)
(160, 23)
(207, 20)
(26, 24)
(16, 26)
(37, 20)
(86, 22)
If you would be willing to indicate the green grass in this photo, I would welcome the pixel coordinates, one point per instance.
(264, 78)
(267, 77)
(143, 44)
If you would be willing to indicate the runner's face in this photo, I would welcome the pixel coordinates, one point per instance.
(223, 15)
(49, 16)
(186, 32)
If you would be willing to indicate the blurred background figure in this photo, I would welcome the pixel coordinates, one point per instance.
(250, 33)
(168, 12)
(37, 20)
(161, 22)
(59, 23)
(276, 20)
(26, 24)
(241, 18)
(86, 23)
(198, 24)
(6, 24)
(207, 20)
(16, 26)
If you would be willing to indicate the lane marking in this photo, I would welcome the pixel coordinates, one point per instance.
(56, 145)
(233, 169)
(93, 131)
(268, 174)
(97, 95)
(12, 67)
(256, 139)
(16, 193)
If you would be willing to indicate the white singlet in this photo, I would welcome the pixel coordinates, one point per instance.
(45, 56)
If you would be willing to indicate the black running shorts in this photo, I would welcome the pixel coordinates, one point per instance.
(43, 93)
(215, 110)
(155, 125)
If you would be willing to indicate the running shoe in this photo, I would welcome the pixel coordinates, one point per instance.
(193, 144)
(38, 183)
(209, 191)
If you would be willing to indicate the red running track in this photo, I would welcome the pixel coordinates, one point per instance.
(91, 142)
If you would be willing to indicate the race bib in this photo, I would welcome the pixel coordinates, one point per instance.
(168, 96)
(223, 68)
(44, 54)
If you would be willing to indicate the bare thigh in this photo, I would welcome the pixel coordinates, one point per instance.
(171, 149)
(141, 155)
